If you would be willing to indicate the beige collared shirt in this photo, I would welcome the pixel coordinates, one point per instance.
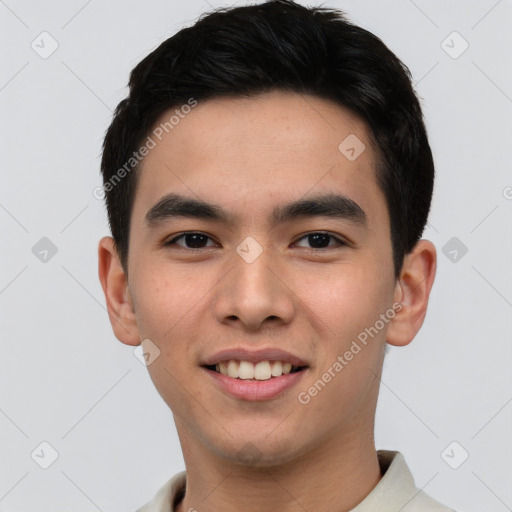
(395, 492)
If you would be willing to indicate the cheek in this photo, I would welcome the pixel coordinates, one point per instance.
(346, 301)
(173, 308)
(162, 299)
(345, 308)
(166, 309)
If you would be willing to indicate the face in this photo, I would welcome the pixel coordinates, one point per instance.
(290, 261)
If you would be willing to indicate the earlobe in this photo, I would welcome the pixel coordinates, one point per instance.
(117, 294)
(412, 291)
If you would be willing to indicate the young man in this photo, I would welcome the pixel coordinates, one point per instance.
(267, 182)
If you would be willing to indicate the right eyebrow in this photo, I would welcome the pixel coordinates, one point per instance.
(175, 205)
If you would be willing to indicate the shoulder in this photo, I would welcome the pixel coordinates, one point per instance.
(398, 488)
(167, 495)
(422, 502)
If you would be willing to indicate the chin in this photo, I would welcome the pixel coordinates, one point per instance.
(260, 451)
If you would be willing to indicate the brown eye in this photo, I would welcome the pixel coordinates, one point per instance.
(192, 240)
(321, 240)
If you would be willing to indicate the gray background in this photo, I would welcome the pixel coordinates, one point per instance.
(66, 380)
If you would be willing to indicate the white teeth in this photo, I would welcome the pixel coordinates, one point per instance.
(233, 369)
(277, 369)
(262, 371)
(245, 370)
(223, 367)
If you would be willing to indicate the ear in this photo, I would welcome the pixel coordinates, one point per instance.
(114, 282)
(412, 291)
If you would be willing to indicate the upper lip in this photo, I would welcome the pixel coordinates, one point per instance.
(253, 356)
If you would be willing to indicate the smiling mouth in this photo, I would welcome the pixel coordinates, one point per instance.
(245, 370)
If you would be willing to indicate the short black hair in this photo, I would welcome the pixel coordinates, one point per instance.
(279, 45)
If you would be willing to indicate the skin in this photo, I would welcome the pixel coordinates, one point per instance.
(248, 156)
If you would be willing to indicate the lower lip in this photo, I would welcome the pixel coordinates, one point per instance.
(256, 390)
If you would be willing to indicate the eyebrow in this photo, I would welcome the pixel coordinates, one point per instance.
(327, 205)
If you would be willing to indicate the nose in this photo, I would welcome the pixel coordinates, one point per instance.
(254, 294)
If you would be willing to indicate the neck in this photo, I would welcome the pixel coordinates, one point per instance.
(334, 477)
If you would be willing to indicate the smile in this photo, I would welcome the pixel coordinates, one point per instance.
(246, 370)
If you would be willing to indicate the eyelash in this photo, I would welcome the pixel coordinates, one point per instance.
(340, 243)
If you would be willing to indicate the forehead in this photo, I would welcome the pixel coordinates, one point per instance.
(251, 152)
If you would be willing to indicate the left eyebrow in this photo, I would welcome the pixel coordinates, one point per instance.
(327, 205)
